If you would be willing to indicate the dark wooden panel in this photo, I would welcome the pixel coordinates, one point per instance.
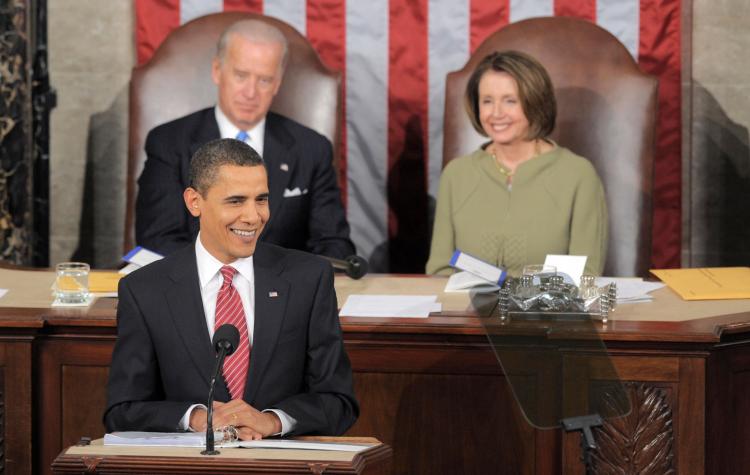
(84, 394)
(16, 409)
(438, 424)
(65, 363)
(690, 417)
(728, 410)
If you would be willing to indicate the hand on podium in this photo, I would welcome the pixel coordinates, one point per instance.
(250, 423)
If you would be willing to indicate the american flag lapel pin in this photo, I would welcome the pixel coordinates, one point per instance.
(273, 294)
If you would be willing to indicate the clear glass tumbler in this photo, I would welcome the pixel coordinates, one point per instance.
(72, 282)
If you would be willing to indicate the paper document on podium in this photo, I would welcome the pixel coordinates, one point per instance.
(198, 439)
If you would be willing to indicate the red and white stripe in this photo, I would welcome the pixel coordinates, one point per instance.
(394, 56)
(229, 310)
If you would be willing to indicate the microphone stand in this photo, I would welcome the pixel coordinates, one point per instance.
(224, 347)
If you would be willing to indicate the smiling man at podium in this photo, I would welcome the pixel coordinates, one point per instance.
(289, 375)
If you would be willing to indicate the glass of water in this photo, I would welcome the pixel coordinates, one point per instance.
(72, 282)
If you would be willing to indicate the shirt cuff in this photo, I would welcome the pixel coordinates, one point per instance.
(288, 423)
(185, 421)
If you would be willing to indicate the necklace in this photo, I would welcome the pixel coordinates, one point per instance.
(501, 168)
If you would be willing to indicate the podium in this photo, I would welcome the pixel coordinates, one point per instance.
(98, 458)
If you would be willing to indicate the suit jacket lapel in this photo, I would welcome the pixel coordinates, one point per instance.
(186, 310)
(271, 296)
(207, 130)
(280, 162)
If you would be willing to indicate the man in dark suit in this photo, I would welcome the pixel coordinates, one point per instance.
(294, 376)
(304, 197)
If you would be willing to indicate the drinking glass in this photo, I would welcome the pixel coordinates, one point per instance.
(72, 282)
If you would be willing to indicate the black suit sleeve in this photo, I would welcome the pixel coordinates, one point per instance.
(327, 405)
(161, 220)
(135, 395)
(327, 225)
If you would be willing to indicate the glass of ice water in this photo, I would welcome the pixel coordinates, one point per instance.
(72, 282)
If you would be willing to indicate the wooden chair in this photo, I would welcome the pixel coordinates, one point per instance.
(606, 113)
(177, 81)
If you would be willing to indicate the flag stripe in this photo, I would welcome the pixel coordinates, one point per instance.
(523, 9)
(659, 54)
(407, 100)
(191, 9)
(583, 9)
(154, 19)
(448, 38)
(487, 16)
(293, 12)
(326, 30)
(367, 119)
(622, 19)
(251, 6)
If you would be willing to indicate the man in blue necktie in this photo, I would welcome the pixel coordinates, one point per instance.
(304, 198)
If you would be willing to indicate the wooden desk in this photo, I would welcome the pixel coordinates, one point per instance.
(429, 388)
(96, 458)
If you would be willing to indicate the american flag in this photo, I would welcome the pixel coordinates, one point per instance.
(394, 56)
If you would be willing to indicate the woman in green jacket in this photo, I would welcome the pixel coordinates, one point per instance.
(520, 196)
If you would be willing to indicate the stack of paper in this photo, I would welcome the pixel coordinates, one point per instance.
(631, 289)
(198, 439)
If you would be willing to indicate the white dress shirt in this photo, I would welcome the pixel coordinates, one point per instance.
(210, 279)
(229, 131)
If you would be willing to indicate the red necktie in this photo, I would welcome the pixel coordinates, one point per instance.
(229, 310)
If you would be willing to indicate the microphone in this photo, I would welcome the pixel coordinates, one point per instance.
(354, 266)
(226, 339)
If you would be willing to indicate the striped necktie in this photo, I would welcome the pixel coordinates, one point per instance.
(229, 310)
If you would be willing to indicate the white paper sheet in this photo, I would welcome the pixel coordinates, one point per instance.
(399, 306)
(3, 292)
(198, 439)
(465, 281)
(160, 439)
(571, 265)
(631, 289)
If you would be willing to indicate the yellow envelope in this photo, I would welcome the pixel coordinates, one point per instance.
(707, 283)
(104, 281)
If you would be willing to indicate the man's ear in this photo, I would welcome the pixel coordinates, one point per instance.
(216, 70)
(193, 201)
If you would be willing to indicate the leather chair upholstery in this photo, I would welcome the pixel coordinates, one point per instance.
(606, 113)
(177, 81)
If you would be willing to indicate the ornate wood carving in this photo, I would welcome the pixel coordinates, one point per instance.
(640, 442)
(91, 463)
(318, 468)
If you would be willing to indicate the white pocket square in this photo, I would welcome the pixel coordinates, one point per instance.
(295, 192)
